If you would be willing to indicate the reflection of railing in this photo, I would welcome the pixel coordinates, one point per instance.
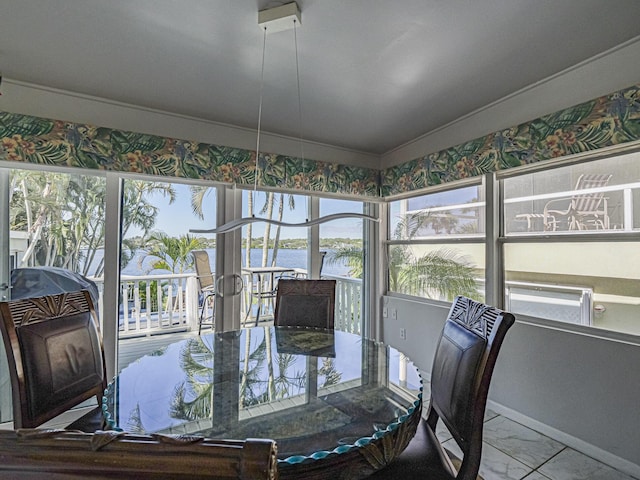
(168, 303)
(627, 190)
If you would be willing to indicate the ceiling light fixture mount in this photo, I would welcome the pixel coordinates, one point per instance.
(278, 19)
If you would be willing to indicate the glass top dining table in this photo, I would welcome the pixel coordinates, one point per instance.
(337, 404)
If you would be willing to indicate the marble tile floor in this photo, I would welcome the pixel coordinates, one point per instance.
(512, 451)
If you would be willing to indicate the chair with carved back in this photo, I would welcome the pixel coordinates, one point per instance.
(305, 303)
(207, 288)
(55, 358)
(61, 454)
(460, 377)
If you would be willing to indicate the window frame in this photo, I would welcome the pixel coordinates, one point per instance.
(447, 239)
(496, 238)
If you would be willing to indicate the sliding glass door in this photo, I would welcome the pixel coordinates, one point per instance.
(52, 240)
(160, 295)
(131, 240)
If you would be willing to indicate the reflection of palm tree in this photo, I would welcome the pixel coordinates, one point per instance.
(285, 384)
(328, 370)
(250, 377)
(134, 424)
(192, 398)
(254, 389)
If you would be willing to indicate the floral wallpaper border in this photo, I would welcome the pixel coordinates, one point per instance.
(605, 121)
(608, 120)
(42, 141)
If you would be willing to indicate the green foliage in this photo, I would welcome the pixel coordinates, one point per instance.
(174, 254)
(64, 216)
(441, 273)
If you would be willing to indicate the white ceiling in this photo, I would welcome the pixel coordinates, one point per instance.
(375, 74)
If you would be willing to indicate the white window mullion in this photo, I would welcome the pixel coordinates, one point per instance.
(110, 295)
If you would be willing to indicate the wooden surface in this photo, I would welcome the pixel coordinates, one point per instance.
(56, 454)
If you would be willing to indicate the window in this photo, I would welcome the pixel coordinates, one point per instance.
(568, 250)
(594, 197)
(337, 246)
(571, 243)
(343, 259)
(436, 244)
(56, 221)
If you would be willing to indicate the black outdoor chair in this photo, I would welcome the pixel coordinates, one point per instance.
(305, 303)
(206, 289)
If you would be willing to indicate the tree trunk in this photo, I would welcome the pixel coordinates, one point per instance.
(267, 230)
(276, 239)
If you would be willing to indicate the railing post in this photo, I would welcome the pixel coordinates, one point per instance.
(191, 300)
(628, 209)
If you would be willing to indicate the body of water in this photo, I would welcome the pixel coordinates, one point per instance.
(141, 265)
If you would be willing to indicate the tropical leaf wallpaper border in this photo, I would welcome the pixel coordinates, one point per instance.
(608, 120)
(25, 138)
(605, 121)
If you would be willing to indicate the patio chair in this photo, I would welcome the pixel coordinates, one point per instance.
(460, 378)
(206, 288)
(55, 358)
(306, 303)
(584, 211)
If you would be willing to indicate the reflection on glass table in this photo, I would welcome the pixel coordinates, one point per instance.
(333, 401)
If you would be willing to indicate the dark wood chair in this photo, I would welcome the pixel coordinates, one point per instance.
(55, 358)
(61, 454)
(305, 303)
(462, 369)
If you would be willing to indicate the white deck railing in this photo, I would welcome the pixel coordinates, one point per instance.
(157, 304)
(348, 303)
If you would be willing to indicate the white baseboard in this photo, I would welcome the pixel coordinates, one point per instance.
(575, 443)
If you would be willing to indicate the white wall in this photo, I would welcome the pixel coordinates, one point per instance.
(601, 75)
(40, 101)
(582, 390)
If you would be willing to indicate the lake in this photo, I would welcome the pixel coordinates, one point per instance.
(140, 265)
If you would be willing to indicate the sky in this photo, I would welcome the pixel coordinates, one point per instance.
(176, 219)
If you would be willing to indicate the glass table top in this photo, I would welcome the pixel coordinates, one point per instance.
(315, 392)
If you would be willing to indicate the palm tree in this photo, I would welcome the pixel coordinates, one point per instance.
(174, 254)
(276, 240)
(440, 273)
(64, 216)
